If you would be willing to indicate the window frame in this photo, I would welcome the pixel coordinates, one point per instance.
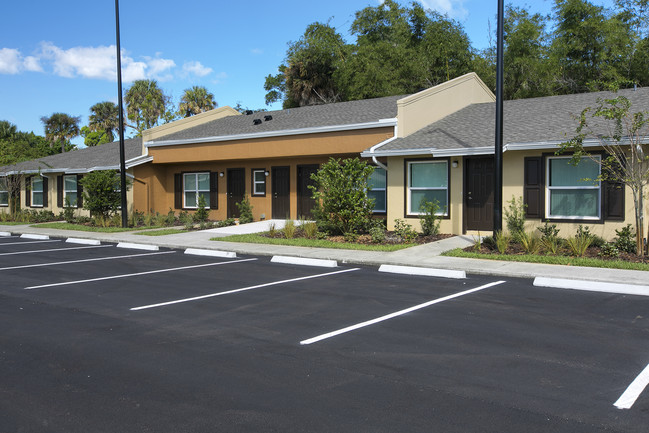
(549, 189)
(445, 208)
(196, 190)
(32, 191)
(4, 189)
(254, 182)
(385, 192)
(75, 191)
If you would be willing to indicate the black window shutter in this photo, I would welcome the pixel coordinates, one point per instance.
(59, 191)
(178, 190)
(214, 190)
(79, 192)
(46, 192)
(613, 201)
(28, 191)
(533, 188)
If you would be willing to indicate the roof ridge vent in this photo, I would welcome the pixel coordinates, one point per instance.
(268, 117)
(256, 122)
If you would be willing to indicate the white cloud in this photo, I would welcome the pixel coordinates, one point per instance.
(13, 62)
(196, 68)
(452, 8)
(256, 51)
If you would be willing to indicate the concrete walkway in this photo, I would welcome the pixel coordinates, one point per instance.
(427, 255)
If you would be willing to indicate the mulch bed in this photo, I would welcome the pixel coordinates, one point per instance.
(390, 238)
(591, 252)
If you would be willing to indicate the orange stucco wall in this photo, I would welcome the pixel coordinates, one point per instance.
(331, 143)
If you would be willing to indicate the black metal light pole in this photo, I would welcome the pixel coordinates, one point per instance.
(498, 151)
(122, 161)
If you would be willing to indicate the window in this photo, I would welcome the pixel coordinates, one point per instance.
(195, 185)
(427, 180)
(4, 192)
(569, 194)
(259, 182)
(70, 190)
(377, 189)
(37, 191)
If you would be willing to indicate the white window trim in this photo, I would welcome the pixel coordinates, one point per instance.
(4, 188)
(255, 183)
(444, 210)
(384, 189)
(65, 191)
(549, 189)
(197, 191)
(42, 191)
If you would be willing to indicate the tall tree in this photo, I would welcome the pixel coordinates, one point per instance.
(195, 100)
(307, 78)
(104, 118)
(60, 128)
(17, 146)
(146, 104)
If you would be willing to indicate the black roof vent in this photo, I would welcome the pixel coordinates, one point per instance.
(249, 112)
(256, 122)
(268, 117)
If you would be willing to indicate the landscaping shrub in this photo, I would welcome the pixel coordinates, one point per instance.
(515, 217)
(101, 192)
(201, 213)
(289, 229)
(578, 244)
(430, 220)
(340, 192)
(310, 229)
(404, 231)
(625, 240)
(610, 250)
(502, 241)
(377, 231)
(170, 220)
(245, 210)
(549, 231)
(530, 242)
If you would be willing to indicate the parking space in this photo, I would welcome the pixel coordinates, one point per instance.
(166, 341)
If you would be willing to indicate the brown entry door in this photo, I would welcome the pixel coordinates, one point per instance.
(479, 193)
(305, 203)
(236, 189)
(281, 184)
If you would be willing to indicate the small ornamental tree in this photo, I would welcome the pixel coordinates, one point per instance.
(101, 192)
(340, 191)
(624, 136)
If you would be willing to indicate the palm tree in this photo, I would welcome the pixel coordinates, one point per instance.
(145, 104)
(104, 118)
(196, 100)
(60, 128)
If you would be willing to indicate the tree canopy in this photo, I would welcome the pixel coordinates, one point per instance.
(146, 104)
(17, 146)
(60, 128)
(104, 119)
(195, 100)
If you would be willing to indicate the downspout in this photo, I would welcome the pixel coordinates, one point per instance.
(376, 146)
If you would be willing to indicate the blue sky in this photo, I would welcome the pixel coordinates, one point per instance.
(60, 56)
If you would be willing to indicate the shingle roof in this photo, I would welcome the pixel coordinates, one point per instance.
(106, 155)
(533, 120)
(341, 113)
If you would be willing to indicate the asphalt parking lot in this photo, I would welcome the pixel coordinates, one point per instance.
(105, 339)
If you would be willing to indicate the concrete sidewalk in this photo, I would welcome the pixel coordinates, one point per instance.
(427, 255)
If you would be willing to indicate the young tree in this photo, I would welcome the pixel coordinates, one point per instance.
(104, 118)
(195, 100)
(340, 191)
(101, 192)
(60, 128)
(624, 137)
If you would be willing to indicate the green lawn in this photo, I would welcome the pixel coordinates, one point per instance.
(552, 260)
(303, 242)
(84, 228)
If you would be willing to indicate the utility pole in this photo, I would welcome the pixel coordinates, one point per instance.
(498, 151)
(122, 157)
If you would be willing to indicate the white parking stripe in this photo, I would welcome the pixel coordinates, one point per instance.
(53, 249)
(212, 295)
(628, 398)
(396, 314)
(84, 260)
(27, 242)
(136, 274)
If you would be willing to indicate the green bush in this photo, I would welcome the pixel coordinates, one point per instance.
(609, 250)
(502, 241)
(430, 218)
(289, 229)
(404, 231)
(310, 229)
(245, 210)
(625, 240)
(549, 231)
(530, 242)
(578, 244)
(515, 217)
(201, 212)
(340, 192)
(101, 192)
(377, 232)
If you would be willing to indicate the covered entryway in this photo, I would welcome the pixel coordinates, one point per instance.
(305, 202)
(236, 190)
(281, 186)
(478, 193)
